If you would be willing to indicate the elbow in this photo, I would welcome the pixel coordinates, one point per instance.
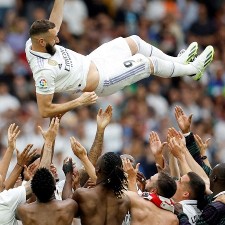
(44, 113)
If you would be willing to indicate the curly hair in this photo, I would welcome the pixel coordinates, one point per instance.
(41, 27)
(43, 185)
(115, 178)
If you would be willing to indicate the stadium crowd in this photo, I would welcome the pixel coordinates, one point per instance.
(139, 109)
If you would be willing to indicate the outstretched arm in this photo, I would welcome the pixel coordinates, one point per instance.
(156, 147)
(49, 109)
(56, 15)
(13, 132)
(22, 159)
(103, 119)
(81, 153)
(49, 137)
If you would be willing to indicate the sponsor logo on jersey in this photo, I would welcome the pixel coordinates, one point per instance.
(52, 62)
(43, 83)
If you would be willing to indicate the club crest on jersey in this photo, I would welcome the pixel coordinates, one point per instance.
(43, 83)
(52, 62)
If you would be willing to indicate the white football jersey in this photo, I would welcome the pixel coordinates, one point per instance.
(65, 71)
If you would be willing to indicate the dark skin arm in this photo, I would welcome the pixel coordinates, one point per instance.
(103, 119)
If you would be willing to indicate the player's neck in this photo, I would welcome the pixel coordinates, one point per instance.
(38, 48)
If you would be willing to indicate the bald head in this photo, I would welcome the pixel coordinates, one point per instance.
(217, 178)
(219, 171)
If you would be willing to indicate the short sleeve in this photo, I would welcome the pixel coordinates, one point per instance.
(13, 197)
(45, 82)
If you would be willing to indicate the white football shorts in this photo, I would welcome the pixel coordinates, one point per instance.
(117, 67)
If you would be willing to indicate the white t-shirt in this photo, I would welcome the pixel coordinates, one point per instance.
(191, 210)
(65, 71)
(9, 200)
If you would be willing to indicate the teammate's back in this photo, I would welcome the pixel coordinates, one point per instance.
(100, 206)
(54, 212)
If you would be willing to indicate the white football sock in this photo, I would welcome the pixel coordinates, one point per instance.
(166, 69)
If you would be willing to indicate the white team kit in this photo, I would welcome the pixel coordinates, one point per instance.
(66, 70)
(191, 210)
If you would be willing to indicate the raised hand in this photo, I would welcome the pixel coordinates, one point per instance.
(177, 148)
(13, 132)
(173, 133)
(88, 98)
(52, 131)
(25, 156)
(104, 117)
(67, 166)
(183, 121)
(129, 169)
(142, 180)
(155, 144)
(77, 148)
(75, 178)
(202, 145)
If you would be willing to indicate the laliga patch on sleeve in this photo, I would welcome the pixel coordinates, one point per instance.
(42, 83)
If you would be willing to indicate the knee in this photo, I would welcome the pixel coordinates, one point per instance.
(134, 43)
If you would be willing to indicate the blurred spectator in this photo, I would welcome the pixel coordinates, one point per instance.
(76, 20)
(203, 30)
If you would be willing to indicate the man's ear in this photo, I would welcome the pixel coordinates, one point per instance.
(186, 194)
(42, 42)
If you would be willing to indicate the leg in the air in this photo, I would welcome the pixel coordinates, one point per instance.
(196, 68)
(137, 45)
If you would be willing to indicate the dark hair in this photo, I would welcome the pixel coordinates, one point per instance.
(41, 27)
(43, 185)
(111, 168)
(30, 162)
(166, 185)
(197, 189)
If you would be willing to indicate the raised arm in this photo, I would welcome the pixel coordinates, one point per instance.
(156, 147)
(203, 147)
(22, 159)
(49, 137)
(81, 153)
(177, 148)
(184, 123)
(56, 15)
(13, 132)
(68, 171)
(131, 173)
(49, 109)
(103, 119)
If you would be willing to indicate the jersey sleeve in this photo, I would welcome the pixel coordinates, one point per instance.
(45, 82)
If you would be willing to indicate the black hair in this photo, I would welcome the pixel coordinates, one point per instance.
(166, 185)
(30, 162)
(41, 27)
(197, 189)
(115, 178)
(43, 185)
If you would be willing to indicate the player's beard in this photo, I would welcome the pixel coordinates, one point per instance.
(50, 49)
